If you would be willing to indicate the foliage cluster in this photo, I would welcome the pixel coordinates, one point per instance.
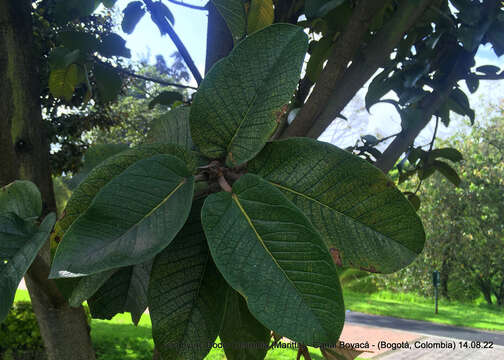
(265, 241)
(19, 332)
(218, 227)
(465, 234)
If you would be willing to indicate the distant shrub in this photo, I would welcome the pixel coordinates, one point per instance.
(20, 336)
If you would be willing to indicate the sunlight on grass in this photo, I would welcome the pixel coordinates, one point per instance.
(118, 339)
(480, 316)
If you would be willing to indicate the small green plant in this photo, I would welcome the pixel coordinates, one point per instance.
(19, 334)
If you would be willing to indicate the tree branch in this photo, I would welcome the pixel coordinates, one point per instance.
(429, 105)
(147, 78)
(432, 102)
(373, 56)
(195, 7)
(344, 50)
(165, 28)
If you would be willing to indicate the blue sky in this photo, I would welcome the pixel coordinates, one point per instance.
(191, 27)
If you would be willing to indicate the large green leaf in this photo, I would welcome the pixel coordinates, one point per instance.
(186, 295)
(95, 155)
(364, 220)
(172, 127)
(131, 219)
(166, 98)
(260, 15)
(22, 198)
(240, 328)
(133, 12)
(114, 45)
(108, 83)
(20, 241)
(320, 8)
(106, 171)
(62, 82)
(124, 291)
(269, 252)
(87, 43)
(237, 106)
(233, 13)
(85, 287)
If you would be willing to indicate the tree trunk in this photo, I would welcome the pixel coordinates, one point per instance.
(486, 289)
(24, 154)
(444, 276)
(219, 38)
(499, 294)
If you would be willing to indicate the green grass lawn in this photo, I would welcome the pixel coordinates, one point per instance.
(119, 339)
(409, 306)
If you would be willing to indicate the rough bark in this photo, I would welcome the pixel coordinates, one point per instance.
(24, 154)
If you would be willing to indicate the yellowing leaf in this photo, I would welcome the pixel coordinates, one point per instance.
(260, 15)
(62, 82)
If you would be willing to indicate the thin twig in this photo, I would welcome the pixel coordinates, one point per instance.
(138, 76)
(201, 177)
(434, 135)
(430, 149)
(418, 187)
(190, 6)
(386, 138)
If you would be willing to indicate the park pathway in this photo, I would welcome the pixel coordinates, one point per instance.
(420, 340)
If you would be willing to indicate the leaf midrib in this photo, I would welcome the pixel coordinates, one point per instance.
(301, 295)
(253, 100)
(182, 182)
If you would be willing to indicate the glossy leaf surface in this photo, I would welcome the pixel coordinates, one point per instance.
(104, 172)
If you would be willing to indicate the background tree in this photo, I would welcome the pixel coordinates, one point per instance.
(463, 224)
